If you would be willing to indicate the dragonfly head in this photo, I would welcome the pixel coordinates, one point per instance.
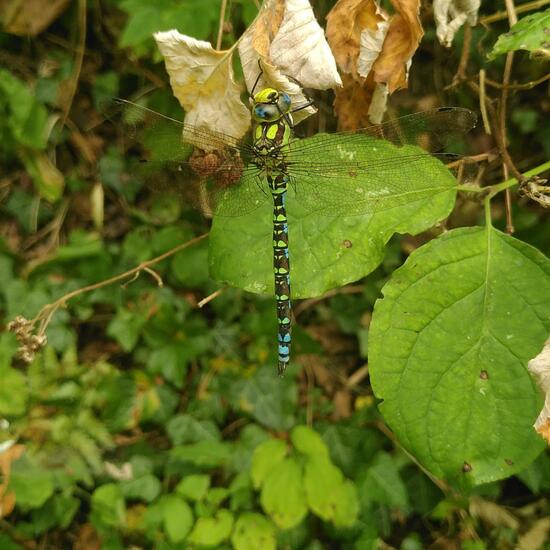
(269, 105)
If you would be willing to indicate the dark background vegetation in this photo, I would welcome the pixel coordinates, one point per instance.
(132, 372)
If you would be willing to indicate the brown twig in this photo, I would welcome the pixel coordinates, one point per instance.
(500, 15)
(210, 297)
(78, 60)
(483, 102)
(223, 7)
(526, 86)
(464, 56)
(512, 19)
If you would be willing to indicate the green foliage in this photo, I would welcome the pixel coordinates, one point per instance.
(150, 422)
(145, 18)
(358, 240)
(529, 33)
(434, 385)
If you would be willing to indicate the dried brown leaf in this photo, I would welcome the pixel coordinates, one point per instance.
(402, 40)
(30, 17)
(539, 367)
(7, 498)
(346, 24)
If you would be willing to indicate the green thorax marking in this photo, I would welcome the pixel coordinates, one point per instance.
(271, 113)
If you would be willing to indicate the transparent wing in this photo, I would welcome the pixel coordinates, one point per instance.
(431, 130)
(218, 178)
(354, 173)
(138, 117)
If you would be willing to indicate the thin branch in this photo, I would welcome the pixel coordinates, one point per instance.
(526, 86)
(483, 102)
(210, 297)
(512, 19)
(464, 56)
(500, 15)
(45, 314)
(78, 60)
(223, 7)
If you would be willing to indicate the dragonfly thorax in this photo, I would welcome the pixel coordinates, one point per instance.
(269, 105)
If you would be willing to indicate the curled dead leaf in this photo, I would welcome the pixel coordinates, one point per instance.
(450, 15)
(539, 367)
(202, 80)
(8, 454)
(288, 43)
(402, 40)
(375, 50)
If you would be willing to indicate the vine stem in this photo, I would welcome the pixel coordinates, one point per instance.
(498, 187)
(505, 185)
(46, 313)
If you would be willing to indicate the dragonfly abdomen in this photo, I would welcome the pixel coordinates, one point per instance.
(281, 266)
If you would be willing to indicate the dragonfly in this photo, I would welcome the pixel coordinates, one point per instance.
(227, 176)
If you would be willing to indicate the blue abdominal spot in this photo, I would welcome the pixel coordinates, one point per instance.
(283, 350)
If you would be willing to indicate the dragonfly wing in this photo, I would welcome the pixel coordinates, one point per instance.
(207, 170)
(432, 130)
(358, 174)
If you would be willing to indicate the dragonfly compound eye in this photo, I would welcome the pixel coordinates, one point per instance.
(284, 102)
(266, 112)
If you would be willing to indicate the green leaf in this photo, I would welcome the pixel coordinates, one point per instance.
(308, 442)
(410, 201)
(328, 495)
(177, 517)
(58, 511)
(7, 544)
(32, 486)
(14, 392)
(108, 507)
(266, 456)
(183, 428)
(283, 496)
(272, 405)
(204, 453)
(193, 487)
(253, 531)
(212, 531)
(190, 266)
(145, 487)
(126, 328)
(27, 119)
(383, 485)
(449, 348)
(48, 180)
(530, 33)
(168, 362)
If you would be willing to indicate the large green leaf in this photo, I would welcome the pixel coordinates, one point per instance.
(308, 442)
(108, 507)
(344, 239)
(449, 347)
(266, 456)
(177, 517)
(530, 33)
(328, 495)
(283, 496)
(26, 117)
(13, 392)
(253, 531)
(32, 486)
(212, 531)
